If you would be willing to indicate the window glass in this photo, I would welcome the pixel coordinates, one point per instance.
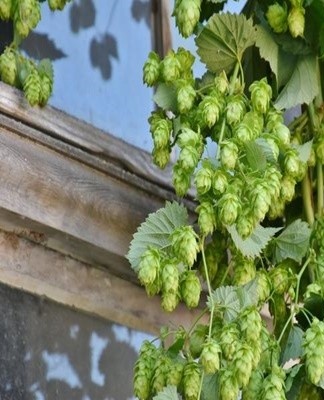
(98, 49)
(52, 352)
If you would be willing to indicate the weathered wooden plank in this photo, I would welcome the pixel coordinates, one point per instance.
(56, 123)
(71, 201)
(35, 269)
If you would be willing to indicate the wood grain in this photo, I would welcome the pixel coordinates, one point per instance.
(37, 270)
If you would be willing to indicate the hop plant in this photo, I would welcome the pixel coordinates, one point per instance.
(149, 266)
(221, 83)
(228, 385)
(186, 59)
(206, 218)
(8, 67)
(186, 13)
(186, 95)
(184, 244)
(143, 370)
(229, 339)
(261, 94)
(170, 300)
(190, 289)
(151, 69)
(32, 86)
(161, 133)
(180, 180)
(229, 154)
(210, 109)
(296, 21)
(242, 364)
(219, 181)
(191, 380)
(197, 340)
(161, 158)
(209, 357)
(6, 7)
(264, 285)
(244, 269)
(57, 4)
(161, 370)
(204, 179)
(253, 389)
(235, 109)
(45, 70)
(171, 67)
(250, 324)
(228, 208)
(26, 16)
(170, 277)
(277, 17)
(313, 346)
(175, 372)
(273, 386)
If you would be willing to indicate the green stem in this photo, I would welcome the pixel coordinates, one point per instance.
(294, 306)
(234, 78)
(212, 306)
(307, 199)
(203, 88)
(299, 122)
(320, 188)
(200, 385)
(221, 137)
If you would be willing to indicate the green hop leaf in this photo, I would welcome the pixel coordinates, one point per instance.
(223, 41)
(156, 230)
(168, 393)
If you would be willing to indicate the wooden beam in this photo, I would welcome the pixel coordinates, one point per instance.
(33, 268)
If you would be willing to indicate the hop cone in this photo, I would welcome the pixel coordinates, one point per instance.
(170, 300)
(171, 67)
(161, 369)
(186, 95)
(188, 158)
(209, 357)
(151, 69)
(32, 86)
(221, 83)
(186, 59)
(243, 364)
(229, 154)
(250, 324)
(219, 181)
(228, 208)
(188, 137)
(143, 371)
(264, 285)
(229, 339)
(190, 289)
(180, 180)
(149, 266)
(292, 163)
(228, 386)
(57, 4)
(161, 133)
(244, 270)
(245, 225)
(46, 74)
(277, 17)
(184, 244)
(273, 387)
(26, 16)
(170, 277)
(191, 380)
(206, 218)
(197, 340)
(314, 348)
(253, 389)
(5, 9)
(204, 179)
(210, 109)
(161, 157)
(261, 94)
(175, 372)
(296, 21)
(287, 189)
(186, 13)
(8, 67)
(235, 110)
